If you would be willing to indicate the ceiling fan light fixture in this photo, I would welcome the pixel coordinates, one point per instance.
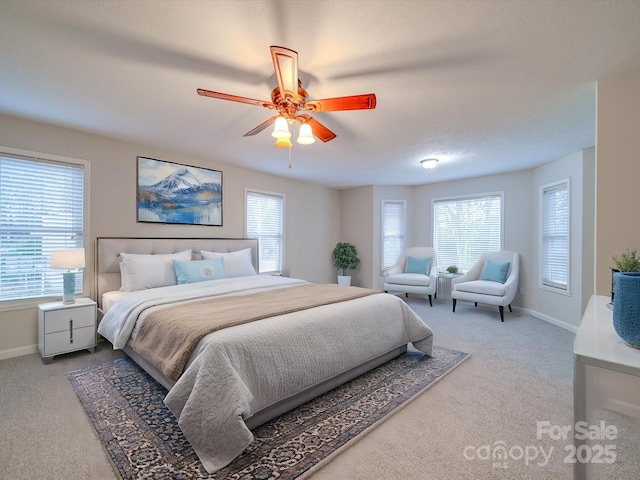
(283, 142)
(281, 129)
(429, 163)
(306, 135)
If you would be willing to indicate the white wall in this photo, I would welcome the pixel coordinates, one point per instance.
(312, 211)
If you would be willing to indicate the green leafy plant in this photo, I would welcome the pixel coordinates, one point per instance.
(345, 257)
(628, 261)
(452, 269)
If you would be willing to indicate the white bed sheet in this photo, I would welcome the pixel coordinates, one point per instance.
(263, 362)
(109, 298)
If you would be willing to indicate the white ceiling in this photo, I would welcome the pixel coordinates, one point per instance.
(485, 86)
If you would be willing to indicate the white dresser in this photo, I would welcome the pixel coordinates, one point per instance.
(606, 370)
(64, 328)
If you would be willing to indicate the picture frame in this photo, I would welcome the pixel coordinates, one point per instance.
(174, 193)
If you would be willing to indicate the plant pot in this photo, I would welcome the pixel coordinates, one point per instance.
(626, 307)
(344, 280)
(613, 282)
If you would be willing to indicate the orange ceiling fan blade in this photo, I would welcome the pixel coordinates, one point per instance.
(235, 98)
(318, 129)
(285, 64)
(262, 126)
(353, 102)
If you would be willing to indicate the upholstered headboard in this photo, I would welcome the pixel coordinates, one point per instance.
(108, 251)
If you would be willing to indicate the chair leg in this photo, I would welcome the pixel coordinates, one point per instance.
(501, 312)
(430, 304)
(510, 308)
(406, 295)
(454, 304)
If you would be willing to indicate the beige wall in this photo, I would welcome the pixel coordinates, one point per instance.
(518, 222)
(521, 192)
(588, 226)
(318, 217)
(356, 227)
(578, 168)
(312, 211)
(618, 172)
(388, 193)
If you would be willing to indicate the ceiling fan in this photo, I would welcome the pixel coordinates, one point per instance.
(289, 99)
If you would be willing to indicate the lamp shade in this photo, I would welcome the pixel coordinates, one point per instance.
(306, 135)
(281, 128)
(67, 259)
(283, 142)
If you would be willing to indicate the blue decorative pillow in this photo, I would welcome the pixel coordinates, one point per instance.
(199, 270)
(420, 265)
(495, 272)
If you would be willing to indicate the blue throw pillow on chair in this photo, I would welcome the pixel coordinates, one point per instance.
(495, 272)
(420, 265)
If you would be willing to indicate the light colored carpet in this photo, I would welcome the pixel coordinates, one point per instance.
(520, 372)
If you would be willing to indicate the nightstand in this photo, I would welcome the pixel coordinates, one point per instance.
(64, 328)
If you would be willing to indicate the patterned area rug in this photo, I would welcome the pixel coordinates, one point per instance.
(143, 439)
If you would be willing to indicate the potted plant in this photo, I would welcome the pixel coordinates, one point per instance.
(625, 286)
(345, 257)
(452, 269)
(626, 262)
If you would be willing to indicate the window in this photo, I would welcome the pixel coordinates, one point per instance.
(554, 241)
(466, 228)
(393, 231)
(41, 209)
(264, 221)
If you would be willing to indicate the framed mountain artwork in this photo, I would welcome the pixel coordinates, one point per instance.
(174, 193)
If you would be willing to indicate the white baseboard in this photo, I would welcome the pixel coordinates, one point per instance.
(548, 319)
(18, 352)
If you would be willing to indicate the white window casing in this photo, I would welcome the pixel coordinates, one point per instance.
(464, 228)
(43, 207)
(554, 242)
(264, 220)
(394, 231)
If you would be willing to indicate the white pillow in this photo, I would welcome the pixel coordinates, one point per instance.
(236, 264)
(139, 272)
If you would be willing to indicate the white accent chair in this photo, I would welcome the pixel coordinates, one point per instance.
(471, 288)
(396, 280)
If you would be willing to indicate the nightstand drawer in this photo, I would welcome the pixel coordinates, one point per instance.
(58, 320)
(69, 341)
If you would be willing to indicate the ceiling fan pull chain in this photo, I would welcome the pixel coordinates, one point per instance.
(290, 148)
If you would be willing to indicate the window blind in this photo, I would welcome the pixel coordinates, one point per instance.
(41, 209)
(393, 231)
(555, 236)
(264, 221)
(466, 228)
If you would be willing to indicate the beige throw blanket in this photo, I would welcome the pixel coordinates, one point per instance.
(168, 335)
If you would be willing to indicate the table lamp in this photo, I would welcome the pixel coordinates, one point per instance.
(69, 260)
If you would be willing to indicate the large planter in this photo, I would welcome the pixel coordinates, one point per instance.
(344, 280)
(626, 307)
(613, 283)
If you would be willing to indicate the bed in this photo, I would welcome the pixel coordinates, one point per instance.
(278, 342)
